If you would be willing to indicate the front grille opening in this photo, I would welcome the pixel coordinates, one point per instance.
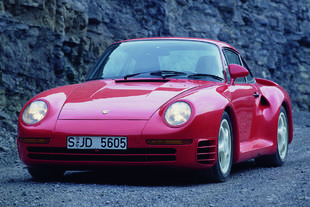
(204, 156)
(144, 158)
(129, 155)
(206, 152)
(206, 143)
(92, 151)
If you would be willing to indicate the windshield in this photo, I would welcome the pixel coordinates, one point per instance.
(163, 58)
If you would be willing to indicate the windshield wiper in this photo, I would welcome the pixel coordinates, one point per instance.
(162, 73)
(168, 73)
(200, 75)
(135, 74)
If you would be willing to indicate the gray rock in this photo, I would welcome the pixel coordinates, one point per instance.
(51, 43)
(4, 149)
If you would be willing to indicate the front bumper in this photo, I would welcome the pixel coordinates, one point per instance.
(200, 153)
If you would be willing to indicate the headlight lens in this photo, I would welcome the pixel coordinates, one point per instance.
(178, 113)
(35, 112)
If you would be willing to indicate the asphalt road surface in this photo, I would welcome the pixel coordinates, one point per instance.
(249, 184)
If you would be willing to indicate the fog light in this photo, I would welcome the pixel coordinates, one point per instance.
(169, 141)
(34, 140)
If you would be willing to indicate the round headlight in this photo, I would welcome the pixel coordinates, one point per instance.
(35, 112)
(178, 113)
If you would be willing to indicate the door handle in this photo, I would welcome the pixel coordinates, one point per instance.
(256, 95)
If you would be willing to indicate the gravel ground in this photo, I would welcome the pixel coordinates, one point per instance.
(249, 185)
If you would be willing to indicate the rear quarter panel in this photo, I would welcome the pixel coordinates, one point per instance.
(276, 97)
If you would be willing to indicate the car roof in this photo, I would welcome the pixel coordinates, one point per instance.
(216, 42)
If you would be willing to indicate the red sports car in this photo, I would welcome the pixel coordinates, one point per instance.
(178, 102)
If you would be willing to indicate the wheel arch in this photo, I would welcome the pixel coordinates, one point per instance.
(287, 106)
(277, 97)
(236, 143)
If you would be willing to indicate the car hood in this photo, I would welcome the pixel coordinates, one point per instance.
(108, 99)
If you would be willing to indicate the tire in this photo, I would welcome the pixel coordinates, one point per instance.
(221, 170)
(278, 158)
(45, 174)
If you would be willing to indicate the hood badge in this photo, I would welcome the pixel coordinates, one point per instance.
(105, 112)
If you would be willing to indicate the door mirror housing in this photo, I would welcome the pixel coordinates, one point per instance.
(237, 71)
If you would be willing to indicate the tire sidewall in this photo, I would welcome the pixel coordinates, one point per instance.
(218, 174)
(278, 157)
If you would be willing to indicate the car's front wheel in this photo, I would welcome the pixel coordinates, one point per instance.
(221, 170)
(45, 174)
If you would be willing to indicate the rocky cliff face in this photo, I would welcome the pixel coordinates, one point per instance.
(48, 43)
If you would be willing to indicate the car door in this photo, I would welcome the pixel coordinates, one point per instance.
(243, 94)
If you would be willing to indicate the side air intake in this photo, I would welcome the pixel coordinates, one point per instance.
(206, 152)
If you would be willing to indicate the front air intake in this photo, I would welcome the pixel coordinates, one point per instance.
(206, 152)
(129, 155)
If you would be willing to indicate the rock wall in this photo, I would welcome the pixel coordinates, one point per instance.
(48, 43)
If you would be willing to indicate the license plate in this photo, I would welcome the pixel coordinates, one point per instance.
(113, 143)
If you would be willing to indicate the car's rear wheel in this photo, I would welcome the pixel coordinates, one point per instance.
(278, 158)
(45, 174)
(221, 170)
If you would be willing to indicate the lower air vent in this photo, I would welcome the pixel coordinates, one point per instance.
(129, 155)
(206, 152)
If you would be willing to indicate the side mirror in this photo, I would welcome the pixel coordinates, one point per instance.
(237, 71)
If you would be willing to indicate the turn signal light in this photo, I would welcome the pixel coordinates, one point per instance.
(169, 141)
(34, 140)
